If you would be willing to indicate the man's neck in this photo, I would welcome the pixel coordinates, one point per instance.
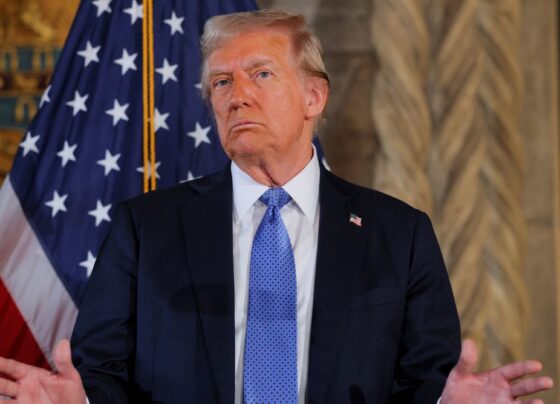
(274, 173)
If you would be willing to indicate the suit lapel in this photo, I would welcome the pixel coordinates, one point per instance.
(339, 257)
(207, 224)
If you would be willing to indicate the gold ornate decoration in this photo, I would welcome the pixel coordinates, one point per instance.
(9, 141)
(38, 28)
(8, 58)
(24, 22)
(43, 57)
(26, 107)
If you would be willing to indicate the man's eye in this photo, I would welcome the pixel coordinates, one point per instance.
(263, 74)
(221, 83)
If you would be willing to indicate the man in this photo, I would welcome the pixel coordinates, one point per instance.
(177, 309)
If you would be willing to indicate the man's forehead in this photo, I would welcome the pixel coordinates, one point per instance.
(256, 46)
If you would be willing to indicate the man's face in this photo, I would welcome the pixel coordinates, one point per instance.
(259, 97)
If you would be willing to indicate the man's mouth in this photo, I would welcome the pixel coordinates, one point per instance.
(243, 124)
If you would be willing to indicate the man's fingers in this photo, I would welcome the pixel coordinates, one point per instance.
(468, 359)
(533, 401)
(529, 386)
(519, 369)
(8, 388)
(62, 358)
(12, 369)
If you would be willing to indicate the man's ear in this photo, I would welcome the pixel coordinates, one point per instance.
(317, 94)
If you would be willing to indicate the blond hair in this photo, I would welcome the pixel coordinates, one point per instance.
(307, 48)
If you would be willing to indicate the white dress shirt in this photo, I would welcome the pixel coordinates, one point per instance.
(301, 218)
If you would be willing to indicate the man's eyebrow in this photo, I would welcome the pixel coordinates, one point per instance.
(252, 64)
(218, 72)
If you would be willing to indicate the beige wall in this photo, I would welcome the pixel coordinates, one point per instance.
(539, 55)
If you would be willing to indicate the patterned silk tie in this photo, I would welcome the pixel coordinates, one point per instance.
(270, 368)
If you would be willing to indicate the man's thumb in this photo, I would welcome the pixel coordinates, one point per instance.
(62, 357)
(468, 359)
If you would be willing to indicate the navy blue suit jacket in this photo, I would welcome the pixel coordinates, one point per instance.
(157, 321)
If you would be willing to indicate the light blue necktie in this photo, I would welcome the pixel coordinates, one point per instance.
(270, 367)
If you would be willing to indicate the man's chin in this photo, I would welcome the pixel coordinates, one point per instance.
(245, 155)
(244, 151)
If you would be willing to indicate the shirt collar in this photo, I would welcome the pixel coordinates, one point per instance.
(303, 188)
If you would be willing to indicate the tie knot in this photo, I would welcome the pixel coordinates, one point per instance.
(276, 197)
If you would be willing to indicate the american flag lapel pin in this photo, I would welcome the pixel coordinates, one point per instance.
(357, 220)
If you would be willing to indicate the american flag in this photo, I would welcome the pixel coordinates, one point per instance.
(82, 154)
(357, 220)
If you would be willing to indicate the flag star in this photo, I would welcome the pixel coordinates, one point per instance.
(175, 23)
(100, 213)
(198, 85)
(118, 112)
(141, 169)
(135, 11)
(200, 135)
(89, 263)
(30, 144)
(109, 163)
(160, 120)
(102, 6)
(167, 71)
(126, 62)
(191, 177)
(67, 153)
(57, 203)
(78, 103)
(46, 97)
(89, 53)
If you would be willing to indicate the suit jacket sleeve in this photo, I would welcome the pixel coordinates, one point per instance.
(430, 338)
(104, 334)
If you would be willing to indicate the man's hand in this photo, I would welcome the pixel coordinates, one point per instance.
(496, 386)
(26, 384)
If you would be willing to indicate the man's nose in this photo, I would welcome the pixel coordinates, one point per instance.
(240, 93)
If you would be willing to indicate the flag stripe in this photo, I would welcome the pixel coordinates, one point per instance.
(17, 340)
(29, 277)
